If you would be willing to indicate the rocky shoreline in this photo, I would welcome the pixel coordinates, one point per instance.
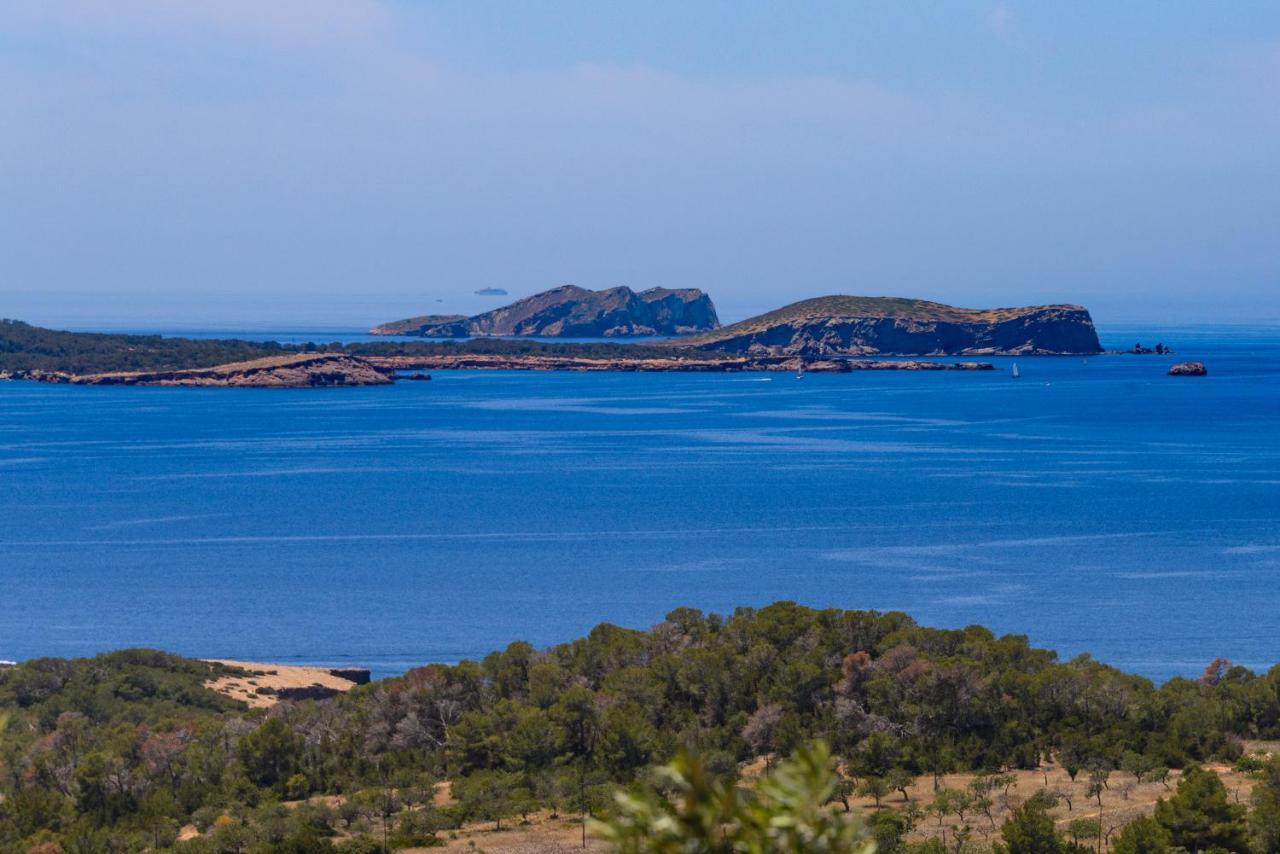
(690, 365)
(321, 370)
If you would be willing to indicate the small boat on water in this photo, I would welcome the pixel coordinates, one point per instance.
(800, 372)
(1016, 373)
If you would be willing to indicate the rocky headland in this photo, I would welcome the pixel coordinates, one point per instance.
(573, 312)
(416, 325)
(858, 326)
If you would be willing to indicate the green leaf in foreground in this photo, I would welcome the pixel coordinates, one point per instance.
(688, 810)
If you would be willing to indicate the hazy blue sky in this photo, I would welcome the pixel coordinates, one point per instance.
(340, 162)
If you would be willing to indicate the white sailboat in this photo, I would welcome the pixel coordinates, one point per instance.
(800, 371)
(1016, 373)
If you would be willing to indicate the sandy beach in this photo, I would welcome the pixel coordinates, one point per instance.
(264, 685)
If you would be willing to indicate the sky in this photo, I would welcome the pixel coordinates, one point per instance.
(336, 163)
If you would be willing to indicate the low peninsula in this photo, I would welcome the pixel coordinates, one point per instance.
(296, 370)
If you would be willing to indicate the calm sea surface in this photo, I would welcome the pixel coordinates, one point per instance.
(1098, 506)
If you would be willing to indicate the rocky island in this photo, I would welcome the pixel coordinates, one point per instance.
(857, 326)
(573, 312)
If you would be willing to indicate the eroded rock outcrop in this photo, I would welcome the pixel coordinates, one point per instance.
(1189, 369)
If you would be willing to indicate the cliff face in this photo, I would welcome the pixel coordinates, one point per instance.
(573, 312)
(683, 311)
(882, 325)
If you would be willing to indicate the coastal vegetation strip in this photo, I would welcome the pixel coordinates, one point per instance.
(935, 734)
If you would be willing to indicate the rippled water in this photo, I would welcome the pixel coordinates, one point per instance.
(1097, 506)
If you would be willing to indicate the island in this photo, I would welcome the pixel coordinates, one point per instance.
(853, 325)
(573, 312)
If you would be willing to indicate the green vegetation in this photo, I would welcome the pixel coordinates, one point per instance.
(691, 810)
(120, 751)
(26, 348)
(1199, 817)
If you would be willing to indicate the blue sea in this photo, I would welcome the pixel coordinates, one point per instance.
(1094, 505)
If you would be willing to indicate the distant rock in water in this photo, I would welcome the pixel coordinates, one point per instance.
(846, 325)
(573, 312)
(1139, 350)
(1189, 369)
(491, 292)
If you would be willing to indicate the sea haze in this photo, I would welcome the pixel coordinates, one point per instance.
(1095, 506)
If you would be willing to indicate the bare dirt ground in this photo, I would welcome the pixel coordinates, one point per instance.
(542, 835)
(1123, 800)
(272, 677)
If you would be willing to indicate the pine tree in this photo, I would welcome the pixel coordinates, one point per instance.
(1199, 818)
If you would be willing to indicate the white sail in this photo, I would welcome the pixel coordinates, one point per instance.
(1016, 373)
